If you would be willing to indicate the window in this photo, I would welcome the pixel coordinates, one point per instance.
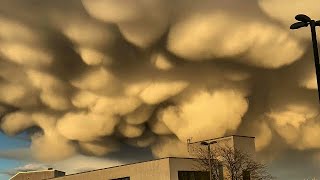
(123, 178)
(221, 172)
(246, 175)
(193, 175)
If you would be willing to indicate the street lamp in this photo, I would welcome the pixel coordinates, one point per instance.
(204, 143)
(304, 21)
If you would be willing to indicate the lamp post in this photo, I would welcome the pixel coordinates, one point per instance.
(204, 143)
(304, 21)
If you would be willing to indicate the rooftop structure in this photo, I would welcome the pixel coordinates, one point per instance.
(245, 144)
(38, 175)
(170, 168)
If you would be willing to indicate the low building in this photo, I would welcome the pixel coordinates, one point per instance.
(160, 169)
(38, 175)
(171, 168)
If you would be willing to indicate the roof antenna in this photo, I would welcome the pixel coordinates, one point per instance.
(189, 140)
(188, 144)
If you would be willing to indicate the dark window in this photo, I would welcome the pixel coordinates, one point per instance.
(246, 175)
(59, 173)
(123, 178)
(220, 172)
(193, 175)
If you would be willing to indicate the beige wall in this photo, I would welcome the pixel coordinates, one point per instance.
(245, 144)
(242, 143)
(151, 170)
(178, 164)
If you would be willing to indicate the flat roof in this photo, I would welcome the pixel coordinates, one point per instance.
(39, 171)
(223, 137)
(126, 165)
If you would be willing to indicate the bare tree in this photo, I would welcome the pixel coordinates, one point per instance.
(230, 163)
(202, 162)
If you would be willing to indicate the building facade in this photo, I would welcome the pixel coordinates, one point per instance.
(234, 143)
(245, 144)
(171, 168)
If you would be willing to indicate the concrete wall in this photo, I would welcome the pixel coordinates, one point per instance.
(245, 144)
(153, 170)
(37, 175)
(242, 143)
(178, 164)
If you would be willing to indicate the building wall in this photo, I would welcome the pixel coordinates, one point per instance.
(153, 170)
(245, 144)
(242, 143)
(178, 164)
(37, 175)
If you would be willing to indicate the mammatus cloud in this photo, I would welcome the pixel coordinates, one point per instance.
(217, 112)
(95, 76)
(133, 18)
(209, 36)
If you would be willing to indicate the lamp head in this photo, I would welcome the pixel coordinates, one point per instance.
(298, 25)
(208, 143)
(303, 18)
(317, 23)
(204, 143)
(213, 142)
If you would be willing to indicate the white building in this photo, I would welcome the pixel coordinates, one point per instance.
(171, 168)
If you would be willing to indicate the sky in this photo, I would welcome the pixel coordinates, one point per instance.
(9, 143)
(108, 82)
